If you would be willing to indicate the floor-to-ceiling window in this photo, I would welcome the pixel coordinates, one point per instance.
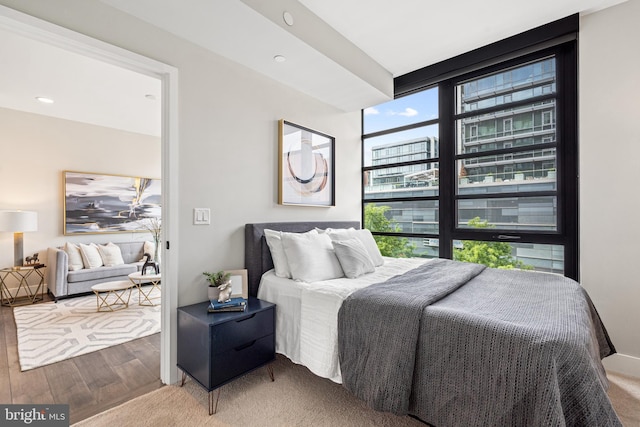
(476, 158)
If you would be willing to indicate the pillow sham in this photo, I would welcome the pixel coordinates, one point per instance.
(365, 237)
(280, 264)
(74, 256)
(334, 230)
(354, 258)
(111, 254)
(90, 255)
(278, 255)
(311, 257)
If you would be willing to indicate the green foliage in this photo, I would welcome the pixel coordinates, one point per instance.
(491, 254)
(218, 278)
(376, 220)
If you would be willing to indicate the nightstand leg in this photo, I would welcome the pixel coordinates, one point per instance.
(184, 377)
(270, 371)
(213, 406)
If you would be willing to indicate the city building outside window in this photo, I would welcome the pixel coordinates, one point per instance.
(492, 169)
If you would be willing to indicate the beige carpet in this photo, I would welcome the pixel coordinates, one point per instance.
(624, 392)
(296, 398)
(51, 332)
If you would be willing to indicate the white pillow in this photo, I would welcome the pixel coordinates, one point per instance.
(333, 230)
(90, 255)
(110, 254)
(279, 257)
(354, 258)
(75, 258)
(311, 257)
(280, 264)
(365, 237)
(149, 248)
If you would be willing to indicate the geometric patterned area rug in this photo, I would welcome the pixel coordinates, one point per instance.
(50, 332)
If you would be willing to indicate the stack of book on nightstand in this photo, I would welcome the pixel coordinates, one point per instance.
(234, 304)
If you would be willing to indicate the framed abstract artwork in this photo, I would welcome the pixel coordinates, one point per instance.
(306, 166)
(98, 203)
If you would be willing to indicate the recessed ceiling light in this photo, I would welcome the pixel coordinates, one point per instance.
(279, 58)
(44, 100)
(288, 18)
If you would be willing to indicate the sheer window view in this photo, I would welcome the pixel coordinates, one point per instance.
(503, 156)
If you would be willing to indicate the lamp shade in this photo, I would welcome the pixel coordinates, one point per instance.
(18, 221)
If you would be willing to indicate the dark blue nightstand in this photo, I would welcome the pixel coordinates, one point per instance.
(216, 348)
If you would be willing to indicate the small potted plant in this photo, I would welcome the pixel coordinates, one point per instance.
(216, 280)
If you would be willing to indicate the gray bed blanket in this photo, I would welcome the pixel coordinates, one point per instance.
(457, 344)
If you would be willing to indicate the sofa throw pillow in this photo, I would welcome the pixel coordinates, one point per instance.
(354, 258)
(150, 248)
(311, 257)
(111, 254)
(364, 236)
(74, 256)
(90, 255)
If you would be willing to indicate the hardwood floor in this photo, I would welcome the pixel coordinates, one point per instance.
(90, 383)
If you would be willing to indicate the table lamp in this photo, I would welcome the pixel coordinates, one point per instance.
(18, 222)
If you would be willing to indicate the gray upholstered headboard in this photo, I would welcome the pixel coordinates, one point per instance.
(257, 257)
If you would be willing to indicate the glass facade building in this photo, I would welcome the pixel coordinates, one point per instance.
(505, 163)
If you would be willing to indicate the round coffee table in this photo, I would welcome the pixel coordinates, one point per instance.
(144, 295)
(110, 295)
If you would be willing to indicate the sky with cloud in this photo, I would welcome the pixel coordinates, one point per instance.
(416, 108)
(410, 109)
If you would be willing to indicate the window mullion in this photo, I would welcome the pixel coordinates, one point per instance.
(447, 168)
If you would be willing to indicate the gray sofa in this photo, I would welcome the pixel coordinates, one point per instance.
(64, 283)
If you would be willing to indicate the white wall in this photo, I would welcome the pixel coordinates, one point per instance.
(227, 138)
(609, 153)
(37, 149)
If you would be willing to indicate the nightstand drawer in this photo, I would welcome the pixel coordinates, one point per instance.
(242, 359)
(236, 333)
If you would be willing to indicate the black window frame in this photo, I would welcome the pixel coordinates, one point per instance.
(558, 39)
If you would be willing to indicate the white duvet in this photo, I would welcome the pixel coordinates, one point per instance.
(307, 313)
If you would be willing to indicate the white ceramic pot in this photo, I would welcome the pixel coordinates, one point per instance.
(213, 293)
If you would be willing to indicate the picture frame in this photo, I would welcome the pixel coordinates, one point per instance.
(306, 166)
(239, 283)
(101, 203)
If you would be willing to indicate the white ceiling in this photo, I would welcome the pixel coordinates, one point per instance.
(342, 52)
(405, 35)
(83, 89)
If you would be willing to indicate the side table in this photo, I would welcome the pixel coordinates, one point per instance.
(21, 275)
(216, 348)
(144, 297)
(110, 295)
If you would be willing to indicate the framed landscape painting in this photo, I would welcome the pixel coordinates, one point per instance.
(98, 203)
(306, 166)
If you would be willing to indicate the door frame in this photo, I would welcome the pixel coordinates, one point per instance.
(38, 29)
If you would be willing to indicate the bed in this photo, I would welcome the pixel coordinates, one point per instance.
(449, 343)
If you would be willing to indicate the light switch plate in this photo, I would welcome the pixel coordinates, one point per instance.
(201, 216)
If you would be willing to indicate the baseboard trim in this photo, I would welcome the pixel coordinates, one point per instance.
(623, 364)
